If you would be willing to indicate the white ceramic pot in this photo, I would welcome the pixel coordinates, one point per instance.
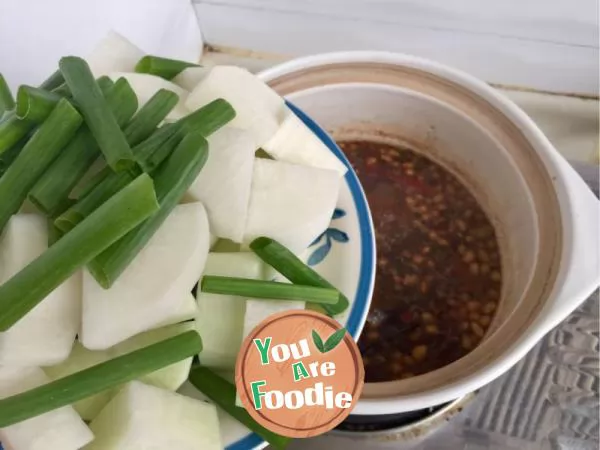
(546, 218)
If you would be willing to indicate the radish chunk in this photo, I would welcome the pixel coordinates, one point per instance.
(220, 319)
(81, 358)
(143, 417)
(226, 246)
(295, 143)
(258, 310)
(230, 158)
(145, 86)
(213, 240)
(114, 54)
(189, 78)
(46, 334)
(290, 203)
(149, 293)
(185, 309)
(59, 429)
(170, 378)
(258, 108)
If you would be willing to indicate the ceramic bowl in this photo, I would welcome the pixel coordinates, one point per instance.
(344, 254)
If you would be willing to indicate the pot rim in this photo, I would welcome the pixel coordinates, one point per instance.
(419, 427)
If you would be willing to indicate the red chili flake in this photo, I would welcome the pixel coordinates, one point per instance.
(406, 317)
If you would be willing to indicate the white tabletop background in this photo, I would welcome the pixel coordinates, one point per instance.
(34, 34)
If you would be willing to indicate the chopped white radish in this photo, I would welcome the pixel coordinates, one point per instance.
(149, 292)
(145, 86)
(45, 335)
(59, 429)
(290, 203)
(144, 417)
(183, 310)
(171, 377)
(227, 246)
(230, 158)
(81, 358)
(114, 53)
(220, 319)
(258, 108)
(294, 142)
(258, 310)
(189, 78)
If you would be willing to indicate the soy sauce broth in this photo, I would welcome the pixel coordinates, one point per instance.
(438, 264)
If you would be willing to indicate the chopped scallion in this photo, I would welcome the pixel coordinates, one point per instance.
(39, 152)
(93, 380)
(53, 188)
(12, 130)
(172, 180)
(96, 111)
(35, 104)
(223, 394)
(150, 116)
(7, 102)
(105, 226)
(53, 81)
(162, 67)
(268, 290)
(9, 156)
(108, 187)
(291, 267)
(205, 121)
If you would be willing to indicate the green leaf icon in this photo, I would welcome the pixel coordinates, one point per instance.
(333, 340)
(318, 341)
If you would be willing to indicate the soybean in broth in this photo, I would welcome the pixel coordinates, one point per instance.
(438, 263)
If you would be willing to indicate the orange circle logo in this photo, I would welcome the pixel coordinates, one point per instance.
(299, 374)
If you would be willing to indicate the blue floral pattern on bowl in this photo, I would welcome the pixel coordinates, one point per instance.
(326, 240)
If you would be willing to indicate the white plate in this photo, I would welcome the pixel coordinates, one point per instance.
(345, 255)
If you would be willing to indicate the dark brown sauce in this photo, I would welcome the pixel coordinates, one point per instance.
(438, 264)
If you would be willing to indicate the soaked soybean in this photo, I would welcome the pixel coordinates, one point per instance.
(438, 266)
